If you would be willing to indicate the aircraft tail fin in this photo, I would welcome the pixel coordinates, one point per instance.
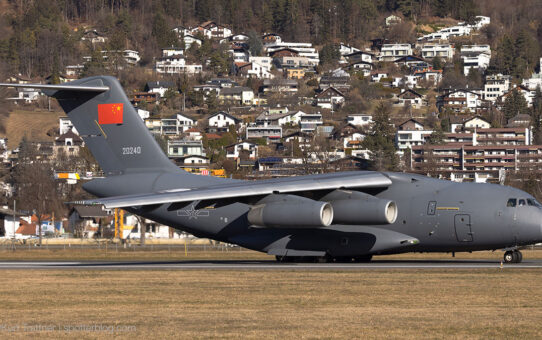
(108, 123)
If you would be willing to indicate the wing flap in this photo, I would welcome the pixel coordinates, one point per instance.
(352, 180)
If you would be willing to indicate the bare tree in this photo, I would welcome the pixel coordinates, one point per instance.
(36, 189)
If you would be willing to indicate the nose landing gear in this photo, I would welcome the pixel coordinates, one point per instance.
(513, 256)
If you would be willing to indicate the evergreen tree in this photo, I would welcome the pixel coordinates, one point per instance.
(437, 63)
(381, 140)
(437, 137)
(255, 45)
(536, 117)
(212, 101)
(329, 54)
(164, 36)
(514, 104)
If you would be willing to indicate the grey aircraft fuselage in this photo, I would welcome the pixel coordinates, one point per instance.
(443, 216)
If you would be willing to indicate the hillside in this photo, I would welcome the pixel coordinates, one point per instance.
(32, 123)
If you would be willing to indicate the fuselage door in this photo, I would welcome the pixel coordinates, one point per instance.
(463, 230)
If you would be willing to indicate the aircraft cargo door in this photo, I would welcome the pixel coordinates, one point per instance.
(463, 230)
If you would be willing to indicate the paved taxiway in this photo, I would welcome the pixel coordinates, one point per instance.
(271, 265)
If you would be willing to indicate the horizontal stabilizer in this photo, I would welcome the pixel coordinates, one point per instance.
(350, 180)
(54, 87)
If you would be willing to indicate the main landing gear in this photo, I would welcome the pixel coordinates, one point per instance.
(513, 256)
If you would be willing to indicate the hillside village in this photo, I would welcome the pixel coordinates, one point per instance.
(261, 106)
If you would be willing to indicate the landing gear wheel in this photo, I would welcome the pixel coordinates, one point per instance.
(519, 256)
(514, 256)
(509, 257)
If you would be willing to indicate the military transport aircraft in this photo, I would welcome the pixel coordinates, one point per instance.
(345, 216)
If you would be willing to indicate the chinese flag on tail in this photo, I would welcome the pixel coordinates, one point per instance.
(110, 113)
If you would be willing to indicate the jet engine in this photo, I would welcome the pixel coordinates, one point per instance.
(289, 211)
(352, 207)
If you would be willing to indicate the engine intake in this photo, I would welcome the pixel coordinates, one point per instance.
(352, 207)
(288, 211)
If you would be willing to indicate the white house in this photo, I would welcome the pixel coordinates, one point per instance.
(410, 98)
(345, 49)
(392, 20)
(309, 122)
(94, 37)
(330, 98)
(131, 57)
(222, 119)
(234, 151)
(26, 95)
(270, 132)
(171, 51)
(535, 80)
(239, 54)
(65, 125)
(479, 22)
(238, 95)
(159, 87)
(133, 229)
(302, 49)
(411, 133)
(254, 70)
(214, 30)
(446, 33)
(180, 148)
(443, 51)
(189, 40)
(476, 122)
(475, 56)
(391, 52)
(461, 100)
(360, 56)
(175, 64)
(363, 67)
(360, 119)
(378, 76)
(496, 85)
(264, 61)
(456, 31)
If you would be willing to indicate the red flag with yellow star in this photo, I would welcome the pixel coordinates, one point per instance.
(110, 113)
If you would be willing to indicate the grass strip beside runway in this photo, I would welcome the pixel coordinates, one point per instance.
(486, 303)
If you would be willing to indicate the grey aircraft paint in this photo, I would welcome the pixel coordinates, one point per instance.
(428, 215)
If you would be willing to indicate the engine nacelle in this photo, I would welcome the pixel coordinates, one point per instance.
(352, 207)
(288, 211)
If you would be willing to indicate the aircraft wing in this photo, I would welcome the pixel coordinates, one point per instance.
(345, 180)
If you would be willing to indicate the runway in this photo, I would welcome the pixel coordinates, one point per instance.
(271, 265)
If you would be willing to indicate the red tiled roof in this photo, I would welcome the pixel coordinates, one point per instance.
(213, 136)
(26, 228)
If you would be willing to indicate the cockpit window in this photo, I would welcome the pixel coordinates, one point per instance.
(521, 203)
(533, 202)
(511, 202)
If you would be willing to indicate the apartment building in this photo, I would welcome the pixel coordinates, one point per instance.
(475, 163)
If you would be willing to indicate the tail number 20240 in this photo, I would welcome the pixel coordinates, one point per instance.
(131, 150)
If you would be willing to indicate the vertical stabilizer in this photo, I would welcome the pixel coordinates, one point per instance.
(111, 127)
